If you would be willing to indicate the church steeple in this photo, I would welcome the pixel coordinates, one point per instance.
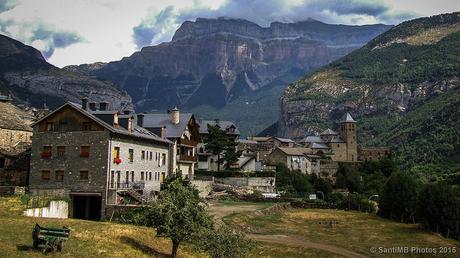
(348, 133)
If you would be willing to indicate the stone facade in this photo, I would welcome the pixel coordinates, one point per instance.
(9, 137)
(77, 155)
(373, 153)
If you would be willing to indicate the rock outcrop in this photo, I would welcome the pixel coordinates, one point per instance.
(28, 78)
(212, 61)
(403, 87)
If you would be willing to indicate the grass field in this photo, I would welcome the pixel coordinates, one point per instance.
(88, 238)
(355, 231)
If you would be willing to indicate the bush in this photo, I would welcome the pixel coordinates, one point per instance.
(356, 202)
(399, 198)
(439, 210)
(224, 242)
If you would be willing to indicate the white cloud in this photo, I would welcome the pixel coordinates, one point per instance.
(85, 31)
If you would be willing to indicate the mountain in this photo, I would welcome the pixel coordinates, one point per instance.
(402, 87)
(28, 78)
(222, 65)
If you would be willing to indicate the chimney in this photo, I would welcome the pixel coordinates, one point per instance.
(84, 103)
(92, 106)
(162, 132)
(140, 120)
(103, 106)
(175, 116)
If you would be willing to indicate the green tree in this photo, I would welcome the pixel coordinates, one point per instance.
(399, 198)
(222, 145)
(439, 209)
(224, 242)
(178, 214)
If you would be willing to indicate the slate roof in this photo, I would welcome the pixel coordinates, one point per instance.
(284, 140)
(13, 118)
(309, 139)
(317, 145)
(137, 132)
(348, 119)
(336, 139)
(164, 120)
(222, 124)
(296, 151)
(328, 132)
(246, 141)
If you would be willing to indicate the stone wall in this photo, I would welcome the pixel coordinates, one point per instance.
(71, 163)
(12, 137)
(204, 186)
(56, 209)
(263, 184)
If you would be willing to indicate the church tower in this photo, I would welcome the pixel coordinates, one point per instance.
(348, 133)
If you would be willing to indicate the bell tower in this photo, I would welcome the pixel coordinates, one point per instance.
(348, 133)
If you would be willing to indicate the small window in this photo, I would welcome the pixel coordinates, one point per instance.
(112, 179)
(59, 175)
(150, 176)
(132, 176)
(116, 152)
(61, 151)
(127, 177)
(49, 127)
(142, 176)
(84, 151)
(46, 175)
(63, 126)
(163, 159)
(131, 155)
(84, 175)
(142, 155)
(47, 152)
(151, 155)
(87, 126)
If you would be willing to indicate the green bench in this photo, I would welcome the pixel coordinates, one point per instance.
(51, 238)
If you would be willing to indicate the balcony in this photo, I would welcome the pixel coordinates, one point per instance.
(187, 158)
(130, 185)
(45, 155)
(187, 142)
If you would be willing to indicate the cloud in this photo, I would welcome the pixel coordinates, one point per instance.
(39, 35)
(160, 26)
(6, 5)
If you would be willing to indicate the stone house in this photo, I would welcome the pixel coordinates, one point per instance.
(206, 160)
(292, 158)
(182, 130)
(343, 146)
(15, 142)
(98, 158)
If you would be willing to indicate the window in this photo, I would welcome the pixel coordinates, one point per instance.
(86, 126)
(127, 177)
(84, 151)
(112, 179)
(131, 155)
(116, 152)
(142, 155)
(2, 162)
(118, 179)
(63, 126)
(151, 155)
(49, 127)
(59, 175)
(142, 176)
(47, 152)
(132, 176)
(84, 175)
(46, 175)
(61, 151)
(202, 158)
(163, 159)
(150, 176)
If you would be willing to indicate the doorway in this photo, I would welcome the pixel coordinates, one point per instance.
(87, 207)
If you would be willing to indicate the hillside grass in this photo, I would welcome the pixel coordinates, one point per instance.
(87, 238)
(355, 231)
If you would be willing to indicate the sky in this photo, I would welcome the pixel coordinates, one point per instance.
(86, 31)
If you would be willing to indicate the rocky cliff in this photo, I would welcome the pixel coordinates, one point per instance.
(213, 61)
(28, 78)
(403, 87)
